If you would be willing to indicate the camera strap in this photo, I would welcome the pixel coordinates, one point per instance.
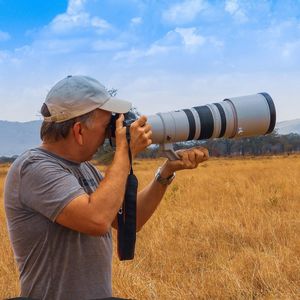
(127, 214)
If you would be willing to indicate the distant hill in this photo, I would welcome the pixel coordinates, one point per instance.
(286, 127)
(16, 137)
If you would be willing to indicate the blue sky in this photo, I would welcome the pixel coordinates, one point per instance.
(160, 55)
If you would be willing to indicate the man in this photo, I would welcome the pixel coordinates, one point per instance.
(60, 209)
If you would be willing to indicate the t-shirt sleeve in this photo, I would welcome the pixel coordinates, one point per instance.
(47, 187)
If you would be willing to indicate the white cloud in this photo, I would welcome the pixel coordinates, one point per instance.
(279, 30)
(73, 31)
(134, 54)
(171, 41)
(3, 56)
(282, 41)
(4, 36)
(187, 38)
(65, 23)
(190, 37)
(184, 12)
(290, 49)
(157, 49)
(233, 8)
(77, 18)
(215, 42)
(59, 46)
(75, 6)
(129, 55)
(180, 40)
(105, 45)
(136, 21)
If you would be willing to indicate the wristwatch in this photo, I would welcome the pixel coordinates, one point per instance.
(161, 180)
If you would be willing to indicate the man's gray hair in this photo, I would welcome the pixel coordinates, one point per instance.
(52, 132)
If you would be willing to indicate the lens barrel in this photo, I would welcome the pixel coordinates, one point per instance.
(243, 116)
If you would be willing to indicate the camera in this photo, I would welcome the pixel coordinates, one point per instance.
(129, 118)
(235, 117)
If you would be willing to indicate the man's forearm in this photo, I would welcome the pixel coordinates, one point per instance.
(149, 198)
(113, 184)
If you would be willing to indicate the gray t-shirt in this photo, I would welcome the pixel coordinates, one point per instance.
(54, 262)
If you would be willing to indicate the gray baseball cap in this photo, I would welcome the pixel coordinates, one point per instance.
(74, 96)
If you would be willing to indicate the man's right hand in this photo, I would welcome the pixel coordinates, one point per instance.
(121, 142)
(140, 135)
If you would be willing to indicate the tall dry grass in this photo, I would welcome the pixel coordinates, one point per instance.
(8, 272)
(227, 230)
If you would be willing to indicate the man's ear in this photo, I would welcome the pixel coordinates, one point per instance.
(77, 132)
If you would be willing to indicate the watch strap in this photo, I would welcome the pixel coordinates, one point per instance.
(162, 180)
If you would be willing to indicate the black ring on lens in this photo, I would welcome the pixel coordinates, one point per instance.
(223, 119)
(272, 112)
(192, 124)
(206, 121)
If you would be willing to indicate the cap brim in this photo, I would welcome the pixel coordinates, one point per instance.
(116, 105)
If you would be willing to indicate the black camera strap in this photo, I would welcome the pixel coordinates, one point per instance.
(127, 214)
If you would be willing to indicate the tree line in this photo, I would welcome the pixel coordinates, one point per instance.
(272, 144)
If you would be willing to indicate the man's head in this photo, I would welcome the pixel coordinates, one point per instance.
(75, 99)
(77, 112)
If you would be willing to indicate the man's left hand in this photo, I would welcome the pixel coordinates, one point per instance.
(189, 159)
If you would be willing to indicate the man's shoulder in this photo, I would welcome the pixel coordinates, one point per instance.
(14, 174)
(23, 158)
(32, 158)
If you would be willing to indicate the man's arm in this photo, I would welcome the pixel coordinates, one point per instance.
(94, 214)
(149, 198)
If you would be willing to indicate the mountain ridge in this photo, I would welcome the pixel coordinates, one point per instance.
(16, 137)
(287, 127)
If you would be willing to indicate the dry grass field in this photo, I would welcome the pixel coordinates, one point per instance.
(227, 230)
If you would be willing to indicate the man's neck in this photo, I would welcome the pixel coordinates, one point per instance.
(61, 149)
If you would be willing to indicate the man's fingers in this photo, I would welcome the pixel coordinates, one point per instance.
(180, 153)
(148, 134)
(147, 128)
(192, 157)
(200, 156)
(141, 121)
(206, 153)
(186, 158)
(141, 134)
(145, 138)
(119, 121)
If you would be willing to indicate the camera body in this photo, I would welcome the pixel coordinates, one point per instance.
(129, 118)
